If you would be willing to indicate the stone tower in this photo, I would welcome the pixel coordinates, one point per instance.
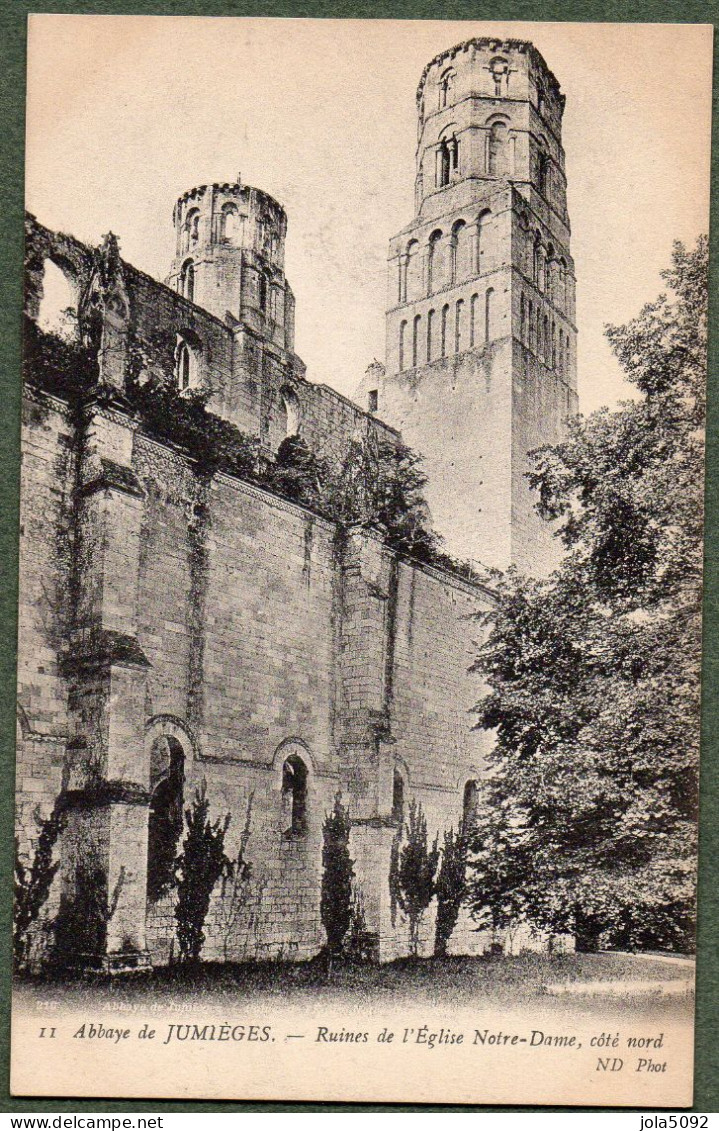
(481, 336)
(230, 255)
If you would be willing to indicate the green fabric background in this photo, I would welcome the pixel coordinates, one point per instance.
(12, 99)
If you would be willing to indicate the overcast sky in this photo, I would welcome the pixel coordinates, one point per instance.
(125, 113)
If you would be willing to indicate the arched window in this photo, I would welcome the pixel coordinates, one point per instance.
(482, 250)
(458, 327)
(537, 260)
(262, 290)
(543, 173)
(187, 280)
(545, 340)
(415, 340)
(167, 776)
(522, 319)
(289, 412)
(430, 335)
(184, 366)
(294, 795)
(554, 345)
(461, 266)
(563, 280)
(530, 320)
(499, 70)
(58, 305)
(192, 228)
(497, 157)
(539, 350)
(548, 270)
(435, 264)
(489, 315)
(446, 85)
(445, 317)
(397, 798)
(448, 161)
(473, 312)
(470, 806)
(230, 224)
(402, 344)
(413, 287)
(187, 352)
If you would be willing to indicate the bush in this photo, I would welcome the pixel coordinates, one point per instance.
(33, 883)
(415, 876)
(337, 874)
(199, 867)
(451, 888)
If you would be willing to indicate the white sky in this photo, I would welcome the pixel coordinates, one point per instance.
(125, 113)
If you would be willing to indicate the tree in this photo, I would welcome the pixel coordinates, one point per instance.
(199, 866)
(416, 870)
(337, 875)
(33, 883)
(235, 888)
(592, 676)
(298, 473)
(451, 887)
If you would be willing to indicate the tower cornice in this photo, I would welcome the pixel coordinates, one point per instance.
(493, 43)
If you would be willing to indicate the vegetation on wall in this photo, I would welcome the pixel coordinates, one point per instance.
(32, 883)
(199, 866)
(378, 483)
(337, 876)
(413, 883)
(593, 675)
(451, 887)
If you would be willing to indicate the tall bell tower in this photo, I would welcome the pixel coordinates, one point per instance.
(481, 335)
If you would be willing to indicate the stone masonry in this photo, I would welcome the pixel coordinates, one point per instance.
(177, 629)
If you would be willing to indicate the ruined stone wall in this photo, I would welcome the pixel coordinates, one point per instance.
(250, 639)
(48, 469)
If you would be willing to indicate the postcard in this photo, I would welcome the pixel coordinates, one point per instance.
(360, 560)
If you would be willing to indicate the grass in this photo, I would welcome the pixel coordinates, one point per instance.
(498, 979)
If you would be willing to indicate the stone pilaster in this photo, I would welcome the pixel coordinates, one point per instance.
(107, 778)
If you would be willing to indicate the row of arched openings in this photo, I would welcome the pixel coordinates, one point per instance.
(470, 801)
(165, 825)
(453, 329)
(498, 155)
(499, 79)
(539, 333)
(230, 228)
(549, 272)
(445, 260)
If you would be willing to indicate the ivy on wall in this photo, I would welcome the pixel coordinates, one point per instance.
(378, 483)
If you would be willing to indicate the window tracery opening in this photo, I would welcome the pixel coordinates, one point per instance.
(294, 794)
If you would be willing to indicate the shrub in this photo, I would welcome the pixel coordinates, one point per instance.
(451, 888)
(416, 869)
(199, 866)
(337, 874)
(33, 883)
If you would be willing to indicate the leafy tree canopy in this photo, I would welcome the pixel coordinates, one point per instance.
(592, 676)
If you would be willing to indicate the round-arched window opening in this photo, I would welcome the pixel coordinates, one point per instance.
(58, 305)
(289, 412)
(187, 280)
(294, 795)
(470, 805)
(397, 798)
(167, 771)
(192, 227)
(230, 224)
